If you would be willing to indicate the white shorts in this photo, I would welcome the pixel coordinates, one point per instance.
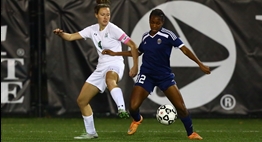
(98, 77)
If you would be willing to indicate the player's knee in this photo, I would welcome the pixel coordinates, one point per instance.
(78, 100)
(111, 84)
(81, 102)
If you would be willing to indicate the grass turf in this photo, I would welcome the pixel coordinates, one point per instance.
(114, 130)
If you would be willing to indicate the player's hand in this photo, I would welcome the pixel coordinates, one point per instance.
(58, 31)
(205, 69)
(133, 71)
(108, 52)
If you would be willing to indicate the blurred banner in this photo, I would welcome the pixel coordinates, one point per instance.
(15, 57)
(225, 35)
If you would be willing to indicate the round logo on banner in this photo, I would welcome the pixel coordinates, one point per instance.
(203, 19)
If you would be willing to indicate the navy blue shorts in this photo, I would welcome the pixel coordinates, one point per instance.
(148, 81)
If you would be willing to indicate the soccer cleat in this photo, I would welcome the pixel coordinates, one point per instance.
(122, 113)
(195, 136)
(86, 136)
(134, 125)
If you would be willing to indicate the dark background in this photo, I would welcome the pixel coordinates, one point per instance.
(54, 70)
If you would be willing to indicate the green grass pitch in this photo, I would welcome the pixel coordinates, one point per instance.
(115, 130)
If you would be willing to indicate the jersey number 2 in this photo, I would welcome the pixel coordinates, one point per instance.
(141, 78)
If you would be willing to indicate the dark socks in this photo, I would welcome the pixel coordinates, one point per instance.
(135, 115)
(187, 121)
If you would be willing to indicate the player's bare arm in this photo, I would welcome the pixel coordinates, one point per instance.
(133, 71)
(123, 53)
(190, 55)
(112, 53)
(133, 53)
(67, 36)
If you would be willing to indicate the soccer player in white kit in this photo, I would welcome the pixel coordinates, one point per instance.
(109, 70)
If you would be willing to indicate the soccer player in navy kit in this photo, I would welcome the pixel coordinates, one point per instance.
(156, 46)
(109, 70)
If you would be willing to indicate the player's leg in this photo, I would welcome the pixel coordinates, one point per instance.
(112, 79)
(143, 86)
(88, 91)
(94, 84)
(139, 94)
(175, 97)
(114, 73)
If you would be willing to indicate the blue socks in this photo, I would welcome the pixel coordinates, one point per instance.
(187, 121)
(135, 115)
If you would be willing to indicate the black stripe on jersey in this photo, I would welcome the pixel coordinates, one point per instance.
(173, 36)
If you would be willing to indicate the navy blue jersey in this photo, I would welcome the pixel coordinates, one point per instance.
(157, 50)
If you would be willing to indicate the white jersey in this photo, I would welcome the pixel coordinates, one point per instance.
(109, 38)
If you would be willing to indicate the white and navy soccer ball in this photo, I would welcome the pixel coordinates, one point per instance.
(166, 114)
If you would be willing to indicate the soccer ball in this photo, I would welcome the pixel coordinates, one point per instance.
(166, 114)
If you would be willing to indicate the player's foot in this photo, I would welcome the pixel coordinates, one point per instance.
(134, 125)
(86, 136)
(122, 113)
(195, 136)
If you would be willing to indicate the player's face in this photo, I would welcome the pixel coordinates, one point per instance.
(103, 16)
(156, 24)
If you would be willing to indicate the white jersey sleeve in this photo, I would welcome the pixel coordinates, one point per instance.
(119, 34)
(86, 32)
